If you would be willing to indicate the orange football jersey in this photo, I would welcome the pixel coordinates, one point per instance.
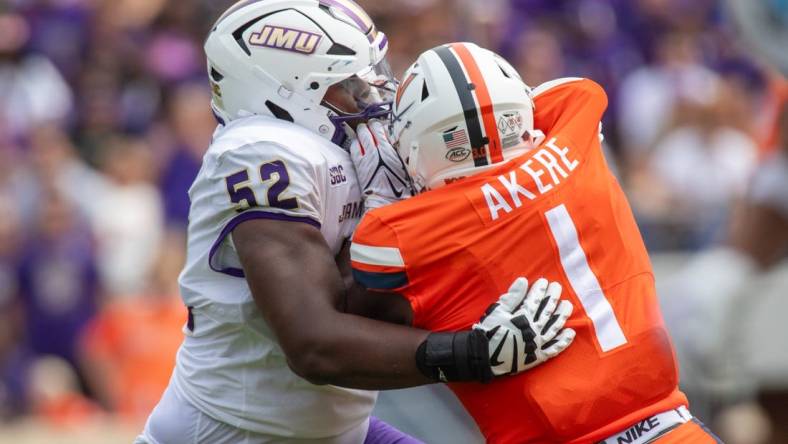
(556, 212)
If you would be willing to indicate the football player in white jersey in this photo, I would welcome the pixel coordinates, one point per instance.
(274, 204)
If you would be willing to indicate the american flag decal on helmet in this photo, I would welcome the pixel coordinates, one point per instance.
(455, 138)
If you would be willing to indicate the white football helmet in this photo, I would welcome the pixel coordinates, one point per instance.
(459, 110)
(279, 57)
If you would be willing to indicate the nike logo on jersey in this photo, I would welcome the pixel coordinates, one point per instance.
(637, 430)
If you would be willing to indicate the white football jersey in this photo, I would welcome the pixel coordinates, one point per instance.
(230, 365)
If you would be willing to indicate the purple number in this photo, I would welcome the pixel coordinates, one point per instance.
(282, 182)
(242, 195)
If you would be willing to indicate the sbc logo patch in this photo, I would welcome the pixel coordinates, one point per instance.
(286, 39)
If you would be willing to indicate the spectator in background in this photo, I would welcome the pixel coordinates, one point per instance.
(58, 281)
(715, 365)
(32, 91)
(173, 53)
(127, 217)
(53, 162)
(15, 357)
(128, 349)
(55, 395)
(650, 94)
(192, 125)
(540, 57)
(696, 171)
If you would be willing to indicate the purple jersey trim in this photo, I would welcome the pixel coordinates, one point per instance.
(244, 217)
(382, 433)
(706, 429)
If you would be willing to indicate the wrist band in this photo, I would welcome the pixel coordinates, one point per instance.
(455, 357)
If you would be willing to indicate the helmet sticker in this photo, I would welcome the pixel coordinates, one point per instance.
(455, 138)
(511, 127)
(216, 92)
(287, 39)
(457, 144)
(458, 155)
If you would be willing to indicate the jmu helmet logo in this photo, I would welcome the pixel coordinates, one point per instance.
(287, 39)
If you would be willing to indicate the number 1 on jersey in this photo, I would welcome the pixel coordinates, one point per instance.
(583, 280)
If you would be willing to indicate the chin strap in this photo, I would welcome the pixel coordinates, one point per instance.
(342, 130)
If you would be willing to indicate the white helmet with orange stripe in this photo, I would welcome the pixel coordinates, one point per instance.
(281, 57)
(460, 110)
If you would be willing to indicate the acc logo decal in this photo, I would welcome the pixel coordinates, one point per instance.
(458, 154)
(286, 39)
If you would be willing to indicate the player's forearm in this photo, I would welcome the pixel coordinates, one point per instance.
(296, 284)
(355, 352)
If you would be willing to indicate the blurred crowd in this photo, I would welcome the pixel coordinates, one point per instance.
(104, 119)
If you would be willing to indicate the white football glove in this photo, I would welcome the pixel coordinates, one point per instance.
(381, 173)
(526, 330)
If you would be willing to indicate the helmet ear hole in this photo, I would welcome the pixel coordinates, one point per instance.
(505, 74)
(340, 50)
(278, 112)
(216, 76)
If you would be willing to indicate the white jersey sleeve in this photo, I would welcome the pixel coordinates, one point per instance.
(262, 180)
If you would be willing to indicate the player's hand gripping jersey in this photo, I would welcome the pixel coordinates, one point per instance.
(556, 212)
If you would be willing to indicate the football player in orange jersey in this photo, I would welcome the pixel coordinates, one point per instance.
(501, 199)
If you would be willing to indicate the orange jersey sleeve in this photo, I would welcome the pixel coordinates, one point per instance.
(572, 107)
(375, 256)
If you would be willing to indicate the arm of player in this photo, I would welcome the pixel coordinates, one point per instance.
(298, 288)
(573, 106)
(381, 173)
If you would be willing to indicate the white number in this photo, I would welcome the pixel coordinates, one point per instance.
(583, 280)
